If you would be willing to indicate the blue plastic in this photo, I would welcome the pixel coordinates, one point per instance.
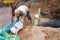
(8, 27)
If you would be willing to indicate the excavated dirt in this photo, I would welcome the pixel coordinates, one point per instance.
(31, 32)
(39, 33)
(51, 10)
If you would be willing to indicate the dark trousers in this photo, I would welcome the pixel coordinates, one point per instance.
(28, 15)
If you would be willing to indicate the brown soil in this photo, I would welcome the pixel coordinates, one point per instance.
(39, 33)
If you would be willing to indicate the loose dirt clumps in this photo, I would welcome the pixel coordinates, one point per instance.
(39, 33)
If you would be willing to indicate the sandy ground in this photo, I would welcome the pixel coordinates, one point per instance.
(39, 33)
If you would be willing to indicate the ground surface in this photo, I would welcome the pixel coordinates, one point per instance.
(5, 15)
(32, 32)
(39, 33)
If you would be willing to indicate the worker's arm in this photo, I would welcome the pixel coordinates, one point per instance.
(28, 16)
(17, 13)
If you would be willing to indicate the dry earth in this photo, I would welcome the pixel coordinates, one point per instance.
(39, 33)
